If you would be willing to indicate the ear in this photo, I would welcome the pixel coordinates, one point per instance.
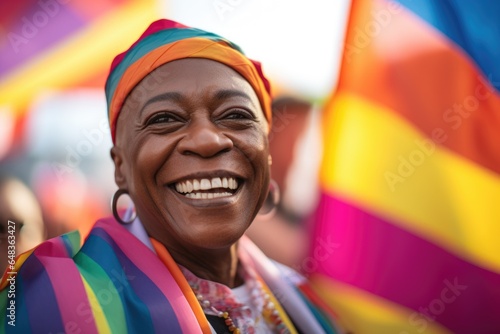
(117, 156)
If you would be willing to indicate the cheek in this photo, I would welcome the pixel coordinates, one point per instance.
(255, 147)
(256, 151)
(146, 158)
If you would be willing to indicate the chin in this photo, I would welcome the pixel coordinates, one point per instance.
(219, 235)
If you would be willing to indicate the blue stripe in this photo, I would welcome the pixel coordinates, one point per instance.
(22, 317)
(141, 298)
(38, 308)
(67, 244)
(472, 25)
(152, 42)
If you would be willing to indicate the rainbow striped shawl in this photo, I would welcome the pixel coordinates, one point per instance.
(115, 283)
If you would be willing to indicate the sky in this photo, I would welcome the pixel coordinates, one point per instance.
(299, 43)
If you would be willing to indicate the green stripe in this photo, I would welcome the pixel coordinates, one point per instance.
(105, 292)
(71, 242)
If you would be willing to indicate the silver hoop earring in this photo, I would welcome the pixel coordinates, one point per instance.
(114, 203)
(270, 205)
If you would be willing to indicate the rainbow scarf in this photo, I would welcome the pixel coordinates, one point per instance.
(114, 283)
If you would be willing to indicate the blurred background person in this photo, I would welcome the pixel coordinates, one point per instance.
(19, 205)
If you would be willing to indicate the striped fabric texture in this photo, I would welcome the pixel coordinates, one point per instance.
(114, 283)
(411, 172)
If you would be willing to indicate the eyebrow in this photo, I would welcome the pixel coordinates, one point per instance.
(172, 96)
(228, 93)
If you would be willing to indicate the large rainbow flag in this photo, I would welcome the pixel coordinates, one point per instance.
(56, 44)
(411, 171)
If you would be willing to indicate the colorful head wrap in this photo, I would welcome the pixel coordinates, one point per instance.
(165, 41)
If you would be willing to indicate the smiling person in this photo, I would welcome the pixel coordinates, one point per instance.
(190, 117)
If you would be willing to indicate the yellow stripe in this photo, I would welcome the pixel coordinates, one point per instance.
(445, 198)
(97, 312)
(364, 313)
(82, 57)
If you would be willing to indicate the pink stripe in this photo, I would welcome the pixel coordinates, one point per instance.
(146, 261)
(375, 255)
(53, 255)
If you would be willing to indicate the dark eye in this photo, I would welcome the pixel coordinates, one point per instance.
(235, 116)
(238, 114)
(162, 118)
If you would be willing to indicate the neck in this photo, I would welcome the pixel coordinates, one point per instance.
(219, 265)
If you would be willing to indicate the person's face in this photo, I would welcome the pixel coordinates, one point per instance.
(192, 151)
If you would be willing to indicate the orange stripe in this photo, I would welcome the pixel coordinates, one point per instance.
(19, 262)
(169, 262)
(187, 48)
(422, 76)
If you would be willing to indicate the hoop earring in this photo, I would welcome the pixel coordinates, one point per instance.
(114, 208)
(270, 205)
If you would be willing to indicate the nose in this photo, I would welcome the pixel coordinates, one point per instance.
(205, 140)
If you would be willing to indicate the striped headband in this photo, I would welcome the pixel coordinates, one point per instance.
(165, 41)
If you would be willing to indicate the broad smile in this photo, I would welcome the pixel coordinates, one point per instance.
(207, 188)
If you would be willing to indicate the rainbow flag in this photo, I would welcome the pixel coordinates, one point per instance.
(57, 44)
(411, 172)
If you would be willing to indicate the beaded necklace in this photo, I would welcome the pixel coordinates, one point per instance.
(217, 299)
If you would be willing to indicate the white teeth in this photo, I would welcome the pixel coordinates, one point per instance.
(216, 182)
(205, 184)
(190, 187)
(233, 184)
(207, 195)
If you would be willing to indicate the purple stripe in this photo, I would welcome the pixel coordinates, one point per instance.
(160, 308)
(62, 272)
(39, 29)
(375, 255)
(41, 302)
(147, 261)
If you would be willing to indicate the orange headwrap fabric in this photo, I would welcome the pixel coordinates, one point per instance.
(165, 41)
